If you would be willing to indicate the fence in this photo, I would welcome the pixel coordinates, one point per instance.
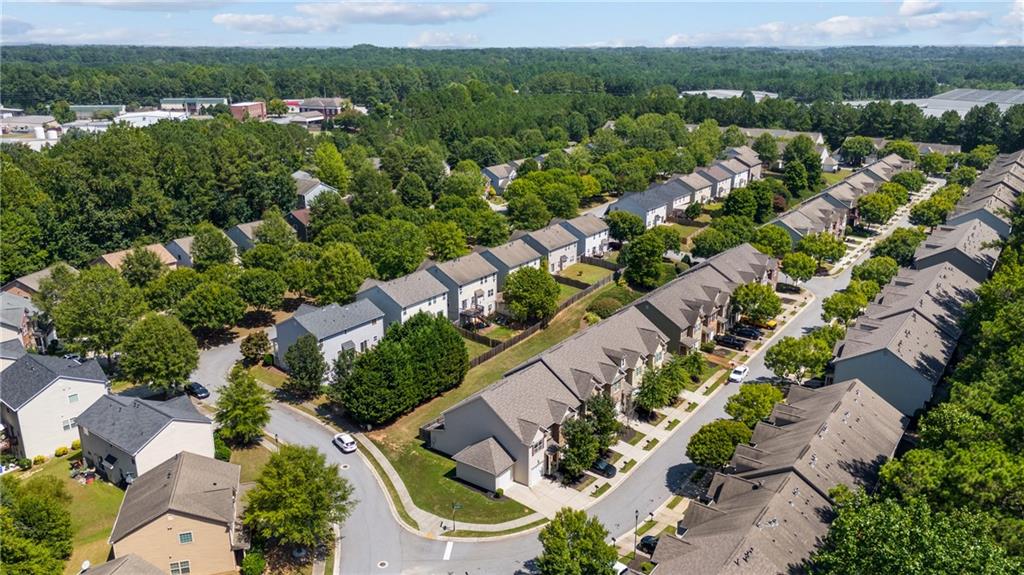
(585, 292)
(601, 263)
(503, 345)
(571, 282)
(479, 338)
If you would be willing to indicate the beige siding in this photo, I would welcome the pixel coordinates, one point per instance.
(209, 552)
(42, 418)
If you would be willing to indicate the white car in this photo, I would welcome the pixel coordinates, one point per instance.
(739, 374)
(345, 442)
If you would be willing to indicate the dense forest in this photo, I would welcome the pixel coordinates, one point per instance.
(87, 74)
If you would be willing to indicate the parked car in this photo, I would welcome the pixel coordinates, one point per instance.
(739, 374)
(747, 331)
(767, 324)
(647, 544)
(603, 468)
(74, 357)
(197, 390)
(731, 341)
(619, 569)
(345, 442)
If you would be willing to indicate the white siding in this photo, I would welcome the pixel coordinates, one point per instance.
(437, 305)
(466, 294)
(656, 217)
(177, 437)
(596, 244)
(562, 258)
(362, 337)
(41, 420)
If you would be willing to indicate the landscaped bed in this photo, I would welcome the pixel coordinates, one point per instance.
(583, 482)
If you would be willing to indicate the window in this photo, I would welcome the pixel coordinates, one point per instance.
(185, 538)
(73, 398)
(180, 568)
(490, 293)
(362, 346)
(69, 424)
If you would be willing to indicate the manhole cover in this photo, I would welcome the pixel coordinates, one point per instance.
(382, 564)
(344, 466)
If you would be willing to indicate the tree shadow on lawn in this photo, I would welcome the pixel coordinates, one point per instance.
(256, 318)
(210, 338)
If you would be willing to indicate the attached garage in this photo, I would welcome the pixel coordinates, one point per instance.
(485, 464)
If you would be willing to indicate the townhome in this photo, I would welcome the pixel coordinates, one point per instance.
(116, 259)
(299, 221)
(501, 175)
(651, 205)
(183, 515)
(690, 309)
(555, 244)
(28, 285)
(720, 179)
(511, 256)
(472, 287)
(740, 172)
(42, 397)
(357, 326)
(11, 351)
(695, 189)
(591, 233)
(243, 235)
(773, 512)
(749, 158)
(404, 297)
(901, 345)
(811, 216)
(130, 564)
(972, 247)
(181, 249)
(746, 264)
(124, 437)
(992, 207)
(308, 187)
(883, 169)
(21, 320)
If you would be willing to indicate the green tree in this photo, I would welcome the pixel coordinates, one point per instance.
(575, 544)
(900, 245)
(243, 408)
(930, 213)
(330, 167)
(395, 248)
(581, 450)
(164, 293)
(35, 524)
(277, 107)
(261, 289)
(601, 416)
(53, 288)
(97, 310)
(798, 265)
(773, 241)
(306, 367)
(876, 208)
(328, 209)
(740, 202)
(413, 192)
(932, 163)
(753, 403)
(624, 226)
(767, 148)
(879, 269)
(822, 246)
(275, 230)
(445, 241)
(642, 257)
(756, 301)
(692, 211)
(714, 443)
(962, 175)
(210, 247)
(794, 175)
(912, 180)
(898, 193)
(796, 357)
(22, 233)
(802, 149)
(902, 148)
(528, 212)
(300, 270)
(341, 369)
(339, 272)
(856, 148)
(297, 498)
(211, 306)
(265, 256)
(255, 347)
(843, 306)
(531, 294)
(158, 351)
(61, 111)
(141, 266)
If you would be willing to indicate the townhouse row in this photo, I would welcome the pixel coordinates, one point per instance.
(662, 202)
(511, 431)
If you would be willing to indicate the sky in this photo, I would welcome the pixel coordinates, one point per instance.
(511, 24)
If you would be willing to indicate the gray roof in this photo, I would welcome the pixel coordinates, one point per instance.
(248, 229)
(513, 254)
(811, 216)
(835, 435)
(733, 165)
(694, 182)
(328, 321)
(130, 564)
(25, 378)
(487, 455)
(528, 400)
(553, 237)
(652, 198)
(587, 224)
(939, 293)
(973, 238)
(14, 308)
(12, 349)
(31, 281)
(714, 173)
(409, 290)
(129, 423)
(745, 154)
(186, 484)
(184, 243)
(465, 269)
(743, 263)
(691, 296)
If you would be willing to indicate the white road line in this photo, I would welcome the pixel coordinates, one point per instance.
(448, 551)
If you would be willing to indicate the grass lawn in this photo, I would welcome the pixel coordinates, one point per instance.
(565, 292)
(474, 348)
(684, 230)
(835, 178)
(672, 425)
(646, 526)
(584, 482)
(471, 533)
(268, 375)
(252, 459)
(601, 489)
(502, 332)
(627, 466)
(675, 501)
(651, 444)
(585, 273)
(636, 438)
(93, 509)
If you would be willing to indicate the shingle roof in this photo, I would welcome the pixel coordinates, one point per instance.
(13, 308)
(746, 155)
(733, 165)
(330, 320)
(694, 182)
(33, 373)
(527, 400)
(939, 293)
(714, 173)
(974, 239)
(12, 349)
(301, 215)
(130, 564)
(409, 290)
(115, 259)
(514, 253)
(466, 269)
(184, 243)
(487, 455)
(248, 229)
(186, 484)
(129, 423)
(32, 280)
(811, 216)
(587, 224)
(909, 336)
(694, 294)
(553, 237)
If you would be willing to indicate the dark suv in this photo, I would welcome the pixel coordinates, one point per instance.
(731, 341)
(747, 332)
(197, 390)
(603, 468)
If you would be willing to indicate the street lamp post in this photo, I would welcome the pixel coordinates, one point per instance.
(636, 521)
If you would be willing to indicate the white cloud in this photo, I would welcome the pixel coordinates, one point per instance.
(837, 29)
(1012, 26)
(147, 6)
(13, 27)
(918, 7)
(330, 17)
(441, 39)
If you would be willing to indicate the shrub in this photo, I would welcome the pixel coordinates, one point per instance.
(591, 318)
(76, 444)
(681, 267)
(221, 450)
(60, 451)
(39, 460)
(268, 359)
(254, 563)
(604, 307)
(25, 463)
(707, 346)
(499, 492)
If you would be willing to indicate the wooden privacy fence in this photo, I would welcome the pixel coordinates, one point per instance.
(501, 346)
(601, 263)
(571, 282)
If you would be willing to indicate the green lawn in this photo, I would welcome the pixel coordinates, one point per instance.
(585, 273)
(502, 332)
(835, 178)
(268, 375)
(565, 292)
(252, 459)
(93, 509)
(474, 348)
(685, 231)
